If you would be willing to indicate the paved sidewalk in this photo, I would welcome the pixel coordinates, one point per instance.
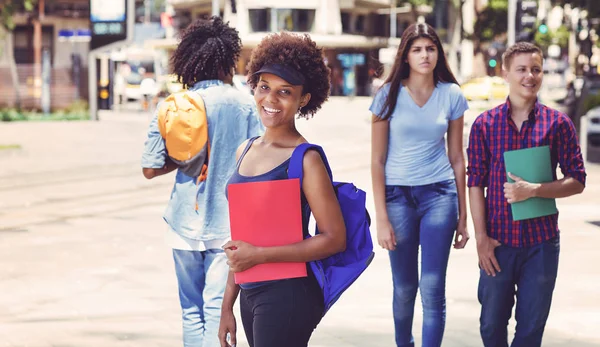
(83, 261)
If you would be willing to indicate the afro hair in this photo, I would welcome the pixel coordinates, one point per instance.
(208, 47)
(301, 53)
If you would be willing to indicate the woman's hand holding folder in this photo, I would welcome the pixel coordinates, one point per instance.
(241, 255)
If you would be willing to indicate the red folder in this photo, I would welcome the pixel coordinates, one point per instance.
(267, 214)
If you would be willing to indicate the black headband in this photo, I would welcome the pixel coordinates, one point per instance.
(291, 75)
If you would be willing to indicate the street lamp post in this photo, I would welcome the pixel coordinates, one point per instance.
(393, 20)
(216, 8)
(512, 21)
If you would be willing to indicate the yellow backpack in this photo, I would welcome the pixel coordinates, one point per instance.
(183, 125)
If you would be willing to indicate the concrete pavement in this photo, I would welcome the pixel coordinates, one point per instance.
(83, 262)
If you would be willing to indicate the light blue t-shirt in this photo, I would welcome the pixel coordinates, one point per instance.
(232, 118)
(416, 146)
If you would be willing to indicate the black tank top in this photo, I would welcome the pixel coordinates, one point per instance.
(280, 172)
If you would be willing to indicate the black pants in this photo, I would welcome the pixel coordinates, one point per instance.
(281, 314)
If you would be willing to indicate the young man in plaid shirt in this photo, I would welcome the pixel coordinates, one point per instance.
(518, 259)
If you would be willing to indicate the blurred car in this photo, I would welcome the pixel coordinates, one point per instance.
(593, 135)
(168, 84)
(132, 86)
(583, 94)
(485, 88)
(172, 85)
(149, 90)
(240, 82)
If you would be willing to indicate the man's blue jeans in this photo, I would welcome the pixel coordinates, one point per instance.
(427, 216)
(529, 273)
(202, 276)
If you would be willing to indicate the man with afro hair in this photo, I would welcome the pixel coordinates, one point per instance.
(197, 213)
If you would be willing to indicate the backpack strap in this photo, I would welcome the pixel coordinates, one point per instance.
(295, 167)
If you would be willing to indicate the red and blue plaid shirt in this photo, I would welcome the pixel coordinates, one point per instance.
(493, 133)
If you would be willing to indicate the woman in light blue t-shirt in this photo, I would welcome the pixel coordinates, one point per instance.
(419, 188)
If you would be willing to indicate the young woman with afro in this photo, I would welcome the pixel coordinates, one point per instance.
(290, 80)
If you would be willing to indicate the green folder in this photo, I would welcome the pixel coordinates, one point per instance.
(532, 165)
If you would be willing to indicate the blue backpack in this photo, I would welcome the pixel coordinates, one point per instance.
(337, 272)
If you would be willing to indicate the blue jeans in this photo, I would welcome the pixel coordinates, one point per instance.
(529, 273)
(202, 277)
(427, 216)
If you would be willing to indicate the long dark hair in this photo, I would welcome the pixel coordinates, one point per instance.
(401, 69)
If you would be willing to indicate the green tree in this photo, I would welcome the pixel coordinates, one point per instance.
(8, 8)
(414, 4)
(490, 22)
(559, 36)
(592, 6)
(159, 6)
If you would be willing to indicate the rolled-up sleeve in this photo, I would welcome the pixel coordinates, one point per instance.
(478, 156)
(155, 152)
(570, 158)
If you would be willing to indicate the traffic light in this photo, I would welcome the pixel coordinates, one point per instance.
(493, 58)
(543, 28)
(526, 18)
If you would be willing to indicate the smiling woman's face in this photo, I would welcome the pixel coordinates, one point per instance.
(277, 100)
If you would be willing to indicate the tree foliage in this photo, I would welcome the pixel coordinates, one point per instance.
(491, 21)
(559, 36)
(8, 9)
(159, 6)
(592, 6)
(414, 4)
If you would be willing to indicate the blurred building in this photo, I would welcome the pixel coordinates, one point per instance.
(350, 31)
(59, 31)
(51, 43)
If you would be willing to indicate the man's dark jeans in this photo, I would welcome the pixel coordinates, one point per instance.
(528, 273)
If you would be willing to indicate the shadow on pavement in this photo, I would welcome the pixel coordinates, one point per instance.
(596, 223)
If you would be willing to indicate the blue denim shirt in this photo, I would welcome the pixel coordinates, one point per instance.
(232, 118)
